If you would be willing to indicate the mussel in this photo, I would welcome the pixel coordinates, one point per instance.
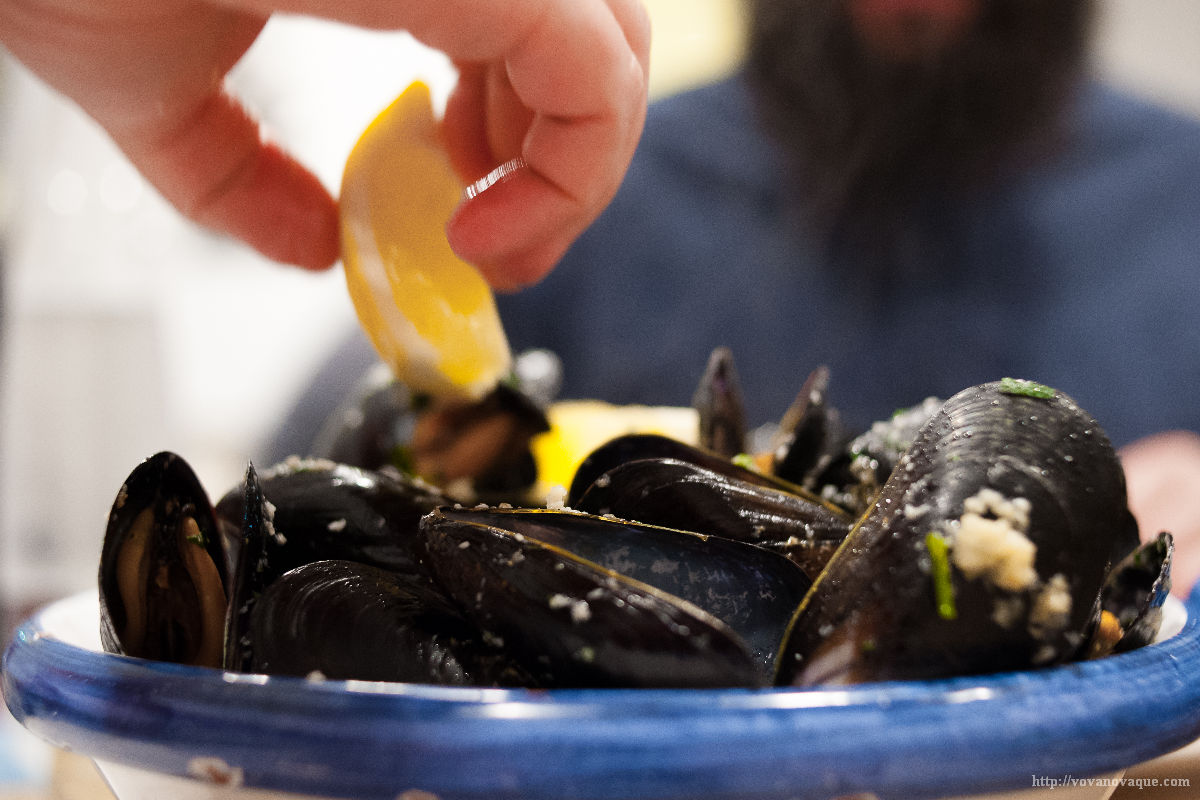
(319, 509)
(682, 494)
(638, 446)
(163, 579)
(809, 434)
(477, 450)
(1135, 592)
(999, 540)
(305, 510)
(985, 551)
(590, 600)
(719, 406)
(345, 620)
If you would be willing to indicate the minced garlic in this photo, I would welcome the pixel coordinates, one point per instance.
(556, 498)
(1051, 610)
(990, 541)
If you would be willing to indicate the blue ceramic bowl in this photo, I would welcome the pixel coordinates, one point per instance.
(389, 741)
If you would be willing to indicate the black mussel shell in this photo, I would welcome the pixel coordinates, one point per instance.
(680, 494)
(594, 601)
(309, 510)
(638, 446)
(1136, 590)
(319, 510)
(719, 406)
(253, 572)
(485, 444)
(163, 581)
(931, 581)
(481, 447)
(810, 433)
(342, 620)
(749, 589)
(372, 427)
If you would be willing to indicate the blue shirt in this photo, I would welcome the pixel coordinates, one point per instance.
(1082, 272)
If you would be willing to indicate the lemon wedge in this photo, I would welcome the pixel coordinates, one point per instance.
(431, 316)
(577, 427)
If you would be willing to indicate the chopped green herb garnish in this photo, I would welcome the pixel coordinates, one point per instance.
(744, 460)
(511, 380)
(1024, 388)
(943, 586)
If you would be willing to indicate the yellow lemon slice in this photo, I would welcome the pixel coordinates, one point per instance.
(577, 427)
(430, 315)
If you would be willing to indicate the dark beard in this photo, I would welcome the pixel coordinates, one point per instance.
(869, 140)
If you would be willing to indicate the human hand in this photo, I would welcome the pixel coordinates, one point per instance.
(1162, 473)
(559, 83)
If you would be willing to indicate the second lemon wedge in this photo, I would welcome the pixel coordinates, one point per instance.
(577, 427)
(431, 316)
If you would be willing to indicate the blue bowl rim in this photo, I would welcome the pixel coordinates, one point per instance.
(372, 740)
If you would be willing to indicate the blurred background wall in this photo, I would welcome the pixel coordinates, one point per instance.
(126, 330)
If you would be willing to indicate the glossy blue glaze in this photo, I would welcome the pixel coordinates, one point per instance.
(900, 740)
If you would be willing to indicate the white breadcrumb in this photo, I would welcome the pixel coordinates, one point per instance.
(990, 542)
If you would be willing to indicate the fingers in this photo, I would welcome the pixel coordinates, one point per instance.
(634, 20)
(527, 254)
(586, 107)
(484, 123)
(150, 72)
(214, 167)
(560, 83)
(541, 208)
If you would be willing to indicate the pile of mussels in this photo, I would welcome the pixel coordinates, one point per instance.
(987, 533)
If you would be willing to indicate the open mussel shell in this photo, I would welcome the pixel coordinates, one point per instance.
(373, 425)
(810, 433)
(348, 621)
(480, 448)
(383, 423)
(163, 581)
(985, 551)
(720, 407)
(680, 494)
(595, 601)
(1136, 590)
